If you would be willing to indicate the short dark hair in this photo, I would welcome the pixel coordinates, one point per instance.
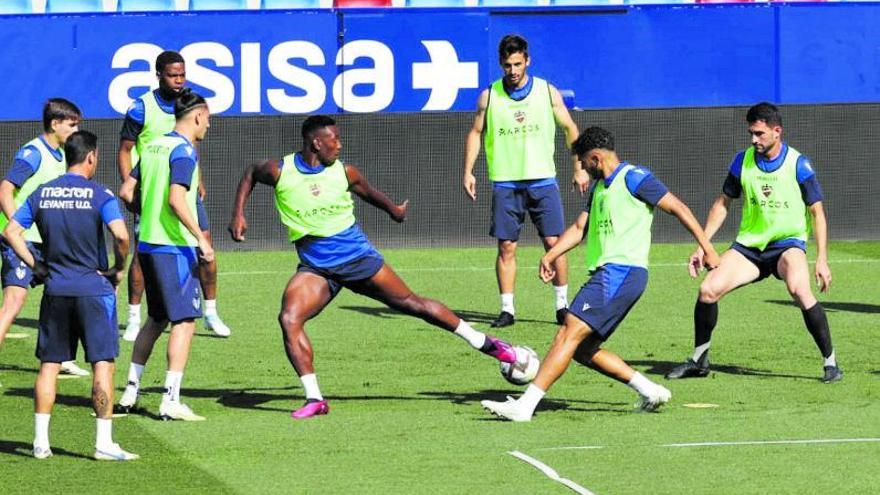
(593, 138)
(512, 43)
(59, 109)
(168, 57)
(78, 145)
(314, 123)
(187, 101)
(767, 112)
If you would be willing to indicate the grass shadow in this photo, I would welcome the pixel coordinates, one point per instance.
(11, 447)
(469, 316)
(663, 367)
(15, 367)
(848, 307)
(27, 322)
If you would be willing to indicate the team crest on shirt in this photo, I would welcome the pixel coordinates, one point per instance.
(766, 190)
(20, 272)
(315, 190)
(519, 116)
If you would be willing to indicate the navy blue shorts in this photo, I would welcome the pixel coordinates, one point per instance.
(14, 272)
(767, 261)
(202, 215)
(604, 301)
(340, 276)
(67, 320)
(509, 207)
(172, 284)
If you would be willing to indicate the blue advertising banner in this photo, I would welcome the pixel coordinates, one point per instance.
(410, 60)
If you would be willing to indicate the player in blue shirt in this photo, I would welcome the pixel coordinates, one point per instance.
(79, 301)
(150, 116)
(38, 161)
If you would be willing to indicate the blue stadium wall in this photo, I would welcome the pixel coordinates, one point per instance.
(672, 82)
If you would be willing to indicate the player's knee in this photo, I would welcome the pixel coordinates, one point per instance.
(507, 251)
(572, 333)
(708, 293)
(290, 319)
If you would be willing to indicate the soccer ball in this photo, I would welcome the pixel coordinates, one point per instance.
(524, 369)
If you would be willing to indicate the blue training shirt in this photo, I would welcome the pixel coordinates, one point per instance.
(640, 182)
(811, 191)
(70, 213)
(327, 252)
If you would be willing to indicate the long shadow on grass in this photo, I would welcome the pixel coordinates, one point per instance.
(837, 306)
(26, 322)
(470, 316)
(663, 367)
(470, 398)
(14, 367)
(11, 447)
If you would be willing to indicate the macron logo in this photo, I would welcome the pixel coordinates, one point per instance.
(444, 75)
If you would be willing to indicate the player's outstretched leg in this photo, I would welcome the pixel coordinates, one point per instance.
(179, 343)
(387, 287)
(140, 354)
(305, 296)
(734, 271)
(794, 270)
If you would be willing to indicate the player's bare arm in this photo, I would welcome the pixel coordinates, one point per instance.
(14, 235)
(265, 172)
(580, 179)
(717, 215)
(120, 252)
(123, 158)
(567, 241)
(674, 206)
(472, 146)
(820, 230)
(177, 202)
(7, 203)
(358, 184)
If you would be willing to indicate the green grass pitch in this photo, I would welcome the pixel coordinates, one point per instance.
(404, 397)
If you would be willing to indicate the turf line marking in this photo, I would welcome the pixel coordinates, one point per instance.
(550, 472)
(492, 268)
(773, 442)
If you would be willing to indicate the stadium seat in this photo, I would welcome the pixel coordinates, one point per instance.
(218, 5)
(292, 4)
(17, 7)
(68, 6)
(146, 5)
(361, 3)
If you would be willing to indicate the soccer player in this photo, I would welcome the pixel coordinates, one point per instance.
(780, 191)
(79, 302)
(169, 249)
(617, 224)
(517, 117)
(313, 196)
(152, 116)
(37, 162)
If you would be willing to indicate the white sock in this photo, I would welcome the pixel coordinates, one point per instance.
(210, 307)
(473, 337)
(561, 296)
(135, 372)
(41, 430)
(134, 312)
(699, 350)
(641, 384)
(172, 385)
(104, 437)
(310, 384)
(531, 397)
(507, 303)
(831, 360)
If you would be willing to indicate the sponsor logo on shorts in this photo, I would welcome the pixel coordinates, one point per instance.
(20, 272)
(586, 306)
(197, 302)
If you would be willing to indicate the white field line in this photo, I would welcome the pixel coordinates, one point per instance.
(491, 267)
(813, 441)
(550, 472)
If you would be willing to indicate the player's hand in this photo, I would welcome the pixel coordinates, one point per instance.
(823, 275)
(202, 191)
(113, 275)
(696, 262)
(398, 213)
(581, 181)
(711, 260)
(546, 271)
(40, 272)
(469, 183)
(237, 228)
(206, 251)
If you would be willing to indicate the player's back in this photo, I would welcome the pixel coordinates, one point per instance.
(70, 213)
